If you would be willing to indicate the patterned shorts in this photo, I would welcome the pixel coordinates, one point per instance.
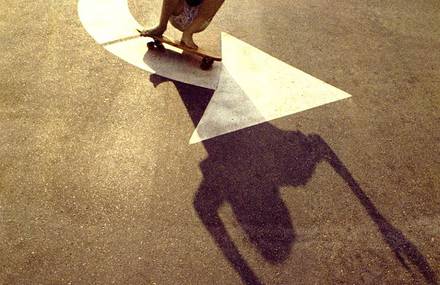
(183, 20)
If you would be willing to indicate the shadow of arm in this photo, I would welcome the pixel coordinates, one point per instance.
(395, 239)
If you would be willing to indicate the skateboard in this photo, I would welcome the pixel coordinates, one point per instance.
(158, 42)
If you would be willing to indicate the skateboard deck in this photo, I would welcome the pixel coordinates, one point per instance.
(208, 57)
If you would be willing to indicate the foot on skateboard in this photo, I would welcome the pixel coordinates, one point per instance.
(208, 57)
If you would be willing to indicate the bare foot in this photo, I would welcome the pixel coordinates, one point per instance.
(188, 41)
(157, 31)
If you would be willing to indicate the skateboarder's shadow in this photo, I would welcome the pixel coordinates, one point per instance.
(247, 168)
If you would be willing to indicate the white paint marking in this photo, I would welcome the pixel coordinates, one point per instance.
(107, 20)
(251, 86)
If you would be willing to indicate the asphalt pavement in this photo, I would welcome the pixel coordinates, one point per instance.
(99, 183)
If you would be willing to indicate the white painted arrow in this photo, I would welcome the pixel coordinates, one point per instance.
(251, 86)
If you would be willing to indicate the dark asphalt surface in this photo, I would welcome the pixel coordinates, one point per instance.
(98, 184)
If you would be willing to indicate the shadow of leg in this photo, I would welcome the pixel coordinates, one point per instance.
(207, 203)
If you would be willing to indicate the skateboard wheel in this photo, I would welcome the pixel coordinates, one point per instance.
(151, 45)
(206, 63)
(159, 45)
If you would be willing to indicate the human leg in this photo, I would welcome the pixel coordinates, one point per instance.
(169, 7)
(207, 11)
